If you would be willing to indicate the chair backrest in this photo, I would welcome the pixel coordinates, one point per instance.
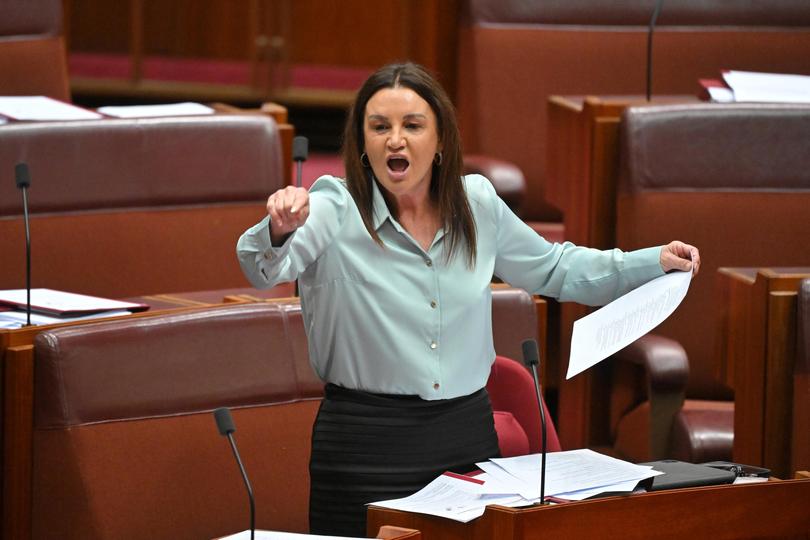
(33, 60)
(514, 54)
(517, 415)
(801, 384)
(125, 445)
(733, 180)
(133, 207)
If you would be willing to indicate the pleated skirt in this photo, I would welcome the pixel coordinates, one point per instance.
(371, 447)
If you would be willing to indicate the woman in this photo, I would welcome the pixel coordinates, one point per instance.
(394, 266)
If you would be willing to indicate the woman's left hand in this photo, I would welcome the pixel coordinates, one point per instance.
(679, 256)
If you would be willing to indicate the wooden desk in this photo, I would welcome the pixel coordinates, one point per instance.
(582, 170)
(776, 509)
(756, 352)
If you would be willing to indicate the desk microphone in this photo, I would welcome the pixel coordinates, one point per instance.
(654, 17)
(299, 155)
(531, 357)
(23, 178)
(226, 427)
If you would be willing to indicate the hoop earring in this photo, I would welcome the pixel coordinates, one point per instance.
(437, 160)
(364, 160)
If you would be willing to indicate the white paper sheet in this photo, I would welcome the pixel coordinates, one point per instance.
(53, 301)
(42, 108)
(17, 318)
(146, 111)
(451, 496)
(768, 87)
(618, 324)
(569, 471)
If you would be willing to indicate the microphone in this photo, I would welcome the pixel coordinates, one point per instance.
(299, 154)
(226, 427)
(531, 357)
(649, 45)
(23, 178)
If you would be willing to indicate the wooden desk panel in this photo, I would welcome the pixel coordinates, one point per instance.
(776, 509)
(756, 352)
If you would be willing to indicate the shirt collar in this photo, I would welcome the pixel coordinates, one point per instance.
(381, 212)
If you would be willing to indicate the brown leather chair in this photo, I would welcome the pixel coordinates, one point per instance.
(125, 445)
(33, 60)
(733, 180)
(133, 207)
(514, 54)
(801, 384)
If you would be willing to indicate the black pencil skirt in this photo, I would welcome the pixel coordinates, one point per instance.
(371, 447)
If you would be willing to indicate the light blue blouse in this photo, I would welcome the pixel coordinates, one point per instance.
(399, 320)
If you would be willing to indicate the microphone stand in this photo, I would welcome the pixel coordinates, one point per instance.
(226, 427)
(654, 18)
(532, 358)
(23, 179)
(300, 153)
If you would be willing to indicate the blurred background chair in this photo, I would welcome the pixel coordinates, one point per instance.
(130, 207)
(735, 181)
(512, 55)
(33, 60)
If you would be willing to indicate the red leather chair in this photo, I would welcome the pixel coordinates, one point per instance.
(517, 416)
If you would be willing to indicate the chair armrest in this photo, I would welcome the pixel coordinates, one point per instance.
(506, 178)
(663, 366)
(664, 361)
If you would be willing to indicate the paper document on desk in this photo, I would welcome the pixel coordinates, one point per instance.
(568, 472)
(453, 496)
(620, 323)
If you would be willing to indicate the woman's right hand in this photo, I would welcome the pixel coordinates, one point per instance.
(288, 209)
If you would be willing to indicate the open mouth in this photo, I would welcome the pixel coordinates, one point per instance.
(397, 164)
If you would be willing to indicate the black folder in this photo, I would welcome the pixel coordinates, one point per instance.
(679, 474)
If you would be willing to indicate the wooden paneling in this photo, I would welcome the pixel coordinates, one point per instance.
(350, 34)
(756, 352)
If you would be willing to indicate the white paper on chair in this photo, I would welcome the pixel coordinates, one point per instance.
(618, 324)
(150, 111)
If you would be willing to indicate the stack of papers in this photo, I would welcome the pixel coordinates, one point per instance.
(751, 86)
(573, 475)
(49, 306)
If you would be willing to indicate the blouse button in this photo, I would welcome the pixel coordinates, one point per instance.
(435, 386)
(428, 262)
(433, 344)
(433, 304)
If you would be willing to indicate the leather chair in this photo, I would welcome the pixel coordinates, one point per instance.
(33, 60)
(125, 445)
(801, 383)
(733, 180)
(517, 416)
(514, 54)
(132, 207)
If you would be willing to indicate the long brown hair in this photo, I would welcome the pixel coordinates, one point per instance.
(446, 188)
